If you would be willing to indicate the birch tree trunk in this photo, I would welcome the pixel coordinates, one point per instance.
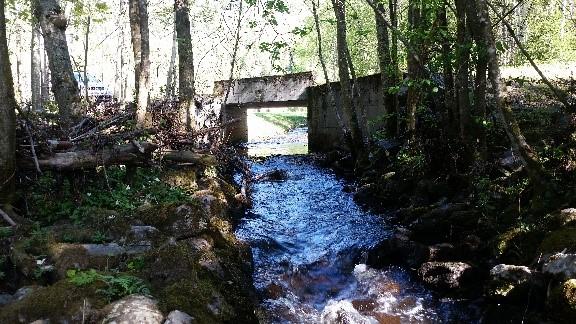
(356, 141)
(7, 118)
(64, 85)
(185, 65)
(35, 67)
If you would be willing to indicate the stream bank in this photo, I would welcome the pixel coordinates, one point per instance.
(159, 248)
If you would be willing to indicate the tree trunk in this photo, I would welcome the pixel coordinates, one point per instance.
(136, 37)
(356, 141)
(35, 67)
(480, 79)
(386, 71)
(7, 118)
(45, 90)
(462, 69)
(86, 40)
(185, 65)
(127, 154)
(138, 12)
(414, 75)
(528, 157)
(448, 71)
(64, 85)
(170, 78)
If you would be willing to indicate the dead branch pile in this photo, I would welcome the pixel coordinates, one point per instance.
(107, 136)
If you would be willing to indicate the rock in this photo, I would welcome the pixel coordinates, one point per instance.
(443, 252)
(398, 249)
(133, 309)
(561, 265)
(6, 299)
(24, 292)
(274, 175)
(511, 273)
(83, 256)
(444, 275)
(183, 178)
(274, 291)
(365, 193)
(566, 217)
(559, 240)
(510, 161)
(178, 317)
(62, 302)
(562, 302)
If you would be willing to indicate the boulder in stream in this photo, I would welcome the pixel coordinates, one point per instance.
(445, 275)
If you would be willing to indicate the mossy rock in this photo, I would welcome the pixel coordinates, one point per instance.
(562, 302)
(213, 284)
(559, 240)
(165, 215)
(184, 178)
(517, 246)
(61, 302)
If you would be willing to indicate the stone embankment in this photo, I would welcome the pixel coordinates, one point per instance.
(164, 263)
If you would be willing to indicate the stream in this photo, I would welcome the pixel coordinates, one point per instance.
(308, 239)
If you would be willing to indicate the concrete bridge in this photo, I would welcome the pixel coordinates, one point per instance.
(298, 90)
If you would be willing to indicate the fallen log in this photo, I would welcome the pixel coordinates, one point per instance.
(87, 159)
(190, 157)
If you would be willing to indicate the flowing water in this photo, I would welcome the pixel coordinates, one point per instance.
(308, 239)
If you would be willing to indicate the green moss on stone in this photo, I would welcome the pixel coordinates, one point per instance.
(563, 301)
(60, 302)
(559, 240)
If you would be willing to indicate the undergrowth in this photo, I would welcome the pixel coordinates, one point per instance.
(117, 285)
(107, 189)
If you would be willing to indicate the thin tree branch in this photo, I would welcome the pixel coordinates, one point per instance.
(7, 218)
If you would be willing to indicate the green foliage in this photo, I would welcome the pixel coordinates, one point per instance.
(550, 36)
(117, 285)
(50, 203)
(136, 264)
(285, 120)
(411, 160)
(361, 40)
(275, 49)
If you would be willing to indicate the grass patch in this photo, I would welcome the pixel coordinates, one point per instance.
(285, 120)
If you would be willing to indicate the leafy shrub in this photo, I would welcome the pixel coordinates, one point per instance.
(117, 285)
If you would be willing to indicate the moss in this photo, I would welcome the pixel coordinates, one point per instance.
(563, 301)
(184, 179)
(518, 245)
(60, 302)
(194, 297)
(559, 240)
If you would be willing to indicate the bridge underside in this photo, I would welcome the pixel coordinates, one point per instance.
(263, 92)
